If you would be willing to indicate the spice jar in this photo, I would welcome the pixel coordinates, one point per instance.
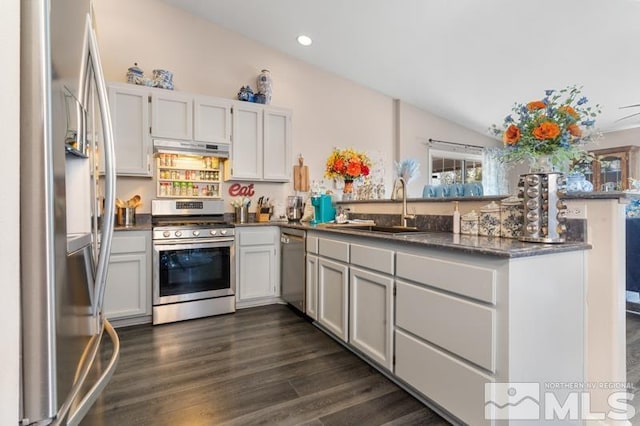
(489, 221)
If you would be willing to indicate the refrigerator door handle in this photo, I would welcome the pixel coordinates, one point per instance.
(108, 217)
(80, 409)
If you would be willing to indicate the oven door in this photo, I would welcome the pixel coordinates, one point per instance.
(193, 269)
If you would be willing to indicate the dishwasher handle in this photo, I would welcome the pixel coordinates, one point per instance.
(290, 239)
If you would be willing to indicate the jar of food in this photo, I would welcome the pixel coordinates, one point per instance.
(176, 189)
(183, 189)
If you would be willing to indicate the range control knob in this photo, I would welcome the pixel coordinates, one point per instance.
(223, 232)
(196, 233)
(213, 232)
(178, 234)
(166, 234)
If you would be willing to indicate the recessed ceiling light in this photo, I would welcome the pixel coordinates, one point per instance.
(304, 40)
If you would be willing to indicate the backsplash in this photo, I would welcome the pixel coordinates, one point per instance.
(576, 228)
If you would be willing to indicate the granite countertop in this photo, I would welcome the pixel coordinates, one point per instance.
(143, 223)
(472, 244)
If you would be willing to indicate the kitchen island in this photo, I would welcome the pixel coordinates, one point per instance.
(447, 316)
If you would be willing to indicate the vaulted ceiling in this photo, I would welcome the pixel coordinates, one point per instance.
(465, 60)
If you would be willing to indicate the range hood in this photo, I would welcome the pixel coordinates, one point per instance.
(191, 147)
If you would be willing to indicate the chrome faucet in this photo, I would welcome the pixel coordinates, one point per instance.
(401, 185)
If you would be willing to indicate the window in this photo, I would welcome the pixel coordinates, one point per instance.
(448, 167)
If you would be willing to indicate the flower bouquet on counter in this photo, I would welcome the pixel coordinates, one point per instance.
(556, 126)
(347, 164)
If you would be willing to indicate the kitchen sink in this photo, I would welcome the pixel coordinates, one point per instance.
(394, 230)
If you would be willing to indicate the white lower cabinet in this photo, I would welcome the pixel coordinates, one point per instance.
(257, 264)
(371, 315)
(312, 286)
(333, 297)
(128, 291)
(457, 323)
(452, 384)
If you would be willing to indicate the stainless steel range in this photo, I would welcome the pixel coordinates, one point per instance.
(193, 260)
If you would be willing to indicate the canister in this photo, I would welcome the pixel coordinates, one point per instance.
(511, 217)
(126, 216)
(489, 221)
(469, 223)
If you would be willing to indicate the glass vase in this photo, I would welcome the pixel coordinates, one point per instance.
(541, 164)
(347, 191)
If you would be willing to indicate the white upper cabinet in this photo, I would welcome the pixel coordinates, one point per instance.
(171, 115)
(261, 143)
(276, 164)
(129, 107)
(211, 119)
(246, 148)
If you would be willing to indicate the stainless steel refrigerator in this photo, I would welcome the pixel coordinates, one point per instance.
(64, 254)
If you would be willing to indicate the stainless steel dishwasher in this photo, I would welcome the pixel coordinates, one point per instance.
(292, 268)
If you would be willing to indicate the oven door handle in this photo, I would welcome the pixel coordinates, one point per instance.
(217, 242)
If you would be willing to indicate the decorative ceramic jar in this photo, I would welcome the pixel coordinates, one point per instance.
(489, 222)
(163, 79)
(265, 85)
(576, 182)
(511, 217)
(469, 223)
(245, 94)
(135, 74)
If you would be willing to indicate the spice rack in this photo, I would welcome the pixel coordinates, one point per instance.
(188, 176)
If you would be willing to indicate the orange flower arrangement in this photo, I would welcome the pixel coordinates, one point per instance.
(347, 164)
(550, 126)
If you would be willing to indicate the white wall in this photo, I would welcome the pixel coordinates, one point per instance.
(9, 217)
(328, 110)
(417, 126)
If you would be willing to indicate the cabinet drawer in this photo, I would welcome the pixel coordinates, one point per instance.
(459, 326)
(312, 245)
(456, 387)
(333, 249)
(372, 258)
(124, 243)
(256, 237)
(468, 280)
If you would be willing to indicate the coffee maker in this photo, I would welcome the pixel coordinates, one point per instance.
(324, 210)
(295, 208)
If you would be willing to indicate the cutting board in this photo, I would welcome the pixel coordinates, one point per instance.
(301, 176)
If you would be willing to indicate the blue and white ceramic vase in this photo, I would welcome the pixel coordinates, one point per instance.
(576, 182)
(265, 85)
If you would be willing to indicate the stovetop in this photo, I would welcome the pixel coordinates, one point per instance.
(182, 219)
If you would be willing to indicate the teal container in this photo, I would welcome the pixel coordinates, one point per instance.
(324, 210)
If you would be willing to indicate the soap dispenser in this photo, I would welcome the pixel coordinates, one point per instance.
(456, 218)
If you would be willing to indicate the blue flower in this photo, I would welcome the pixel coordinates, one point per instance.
(549, 92)
(583, 100)
(588, 123)
(508, 119)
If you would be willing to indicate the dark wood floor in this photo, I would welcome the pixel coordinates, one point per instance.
(259, 366)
